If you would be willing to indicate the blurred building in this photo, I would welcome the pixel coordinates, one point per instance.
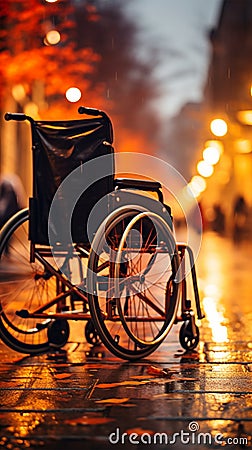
(228, 95)
(184, 137)
(229, 83)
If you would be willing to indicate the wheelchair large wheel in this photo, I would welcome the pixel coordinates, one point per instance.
(147, 301)
(23, 286)
(101, 288)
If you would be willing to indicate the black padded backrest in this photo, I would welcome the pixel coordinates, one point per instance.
(59, 148)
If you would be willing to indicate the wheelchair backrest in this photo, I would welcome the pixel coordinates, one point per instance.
(60, 147)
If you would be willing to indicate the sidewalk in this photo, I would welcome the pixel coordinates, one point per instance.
(88, 399)
(72, 401)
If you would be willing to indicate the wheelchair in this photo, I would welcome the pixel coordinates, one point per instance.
(118, 269)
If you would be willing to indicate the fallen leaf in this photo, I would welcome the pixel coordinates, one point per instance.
(130, 383)
(158, 371)
(85, 420)
(113, 400)
(61, 376)
(61, 365)
(121, 383)
(107, 385)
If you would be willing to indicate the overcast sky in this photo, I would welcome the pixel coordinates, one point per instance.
(179, 29)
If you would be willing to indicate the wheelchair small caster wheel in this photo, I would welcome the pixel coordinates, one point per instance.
(58, 333)
(91, 335)
(187, 338)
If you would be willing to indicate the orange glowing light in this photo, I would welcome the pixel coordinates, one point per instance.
(73, 94)
(219, 127)
(205, 169)
(52, 37)
(211, 155)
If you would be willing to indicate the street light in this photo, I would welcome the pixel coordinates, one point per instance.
(198, 183)
(73, 94)
(245, 116)
(205, 169)
(216, 144)
(31, 109)
(211, 155)
(52, 37)
(191, 192)
(219, 127)
(18, 93)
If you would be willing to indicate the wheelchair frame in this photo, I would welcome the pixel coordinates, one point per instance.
(121, 308)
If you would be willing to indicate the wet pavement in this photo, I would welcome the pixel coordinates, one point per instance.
(87, 398)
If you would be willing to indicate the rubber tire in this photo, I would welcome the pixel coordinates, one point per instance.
(10, 340)
(186, 339)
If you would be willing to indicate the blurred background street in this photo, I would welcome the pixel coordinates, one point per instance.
(177, 88)
(176, 80)
(224, 269)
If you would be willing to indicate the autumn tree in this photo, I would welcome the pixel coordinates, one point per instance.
(39, 58)
(93, 50)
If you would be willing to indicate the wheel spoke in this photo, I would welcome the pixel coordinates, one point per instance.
(23, 288)
(148, 279)
(138, 292)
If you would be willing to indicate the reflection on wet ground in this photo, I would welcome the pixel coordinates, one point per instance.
(224, 268)
(86, 398)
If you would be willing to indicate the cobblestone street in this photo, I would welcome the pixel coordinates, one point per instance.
(86, 398)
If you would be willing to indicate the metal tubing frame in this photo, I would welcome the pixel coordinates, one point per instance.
(182, 248)
(39, 313)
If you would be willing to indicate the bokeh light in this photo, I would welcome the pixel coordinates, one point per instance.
(196, 186)
(52, 37)
(245, 116)
(73, 94)
(219, 127)
(31, 109)
(243, 146)
(192, 191)
(216, 144)
(199, 183)
(18, 92)
(211, 155)
(205, 169)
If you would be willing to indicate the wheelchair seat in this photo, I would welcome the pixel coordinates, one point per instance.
(60, 147)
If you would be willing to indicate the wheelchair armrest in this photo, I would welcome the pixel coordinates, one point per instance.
(142, 185)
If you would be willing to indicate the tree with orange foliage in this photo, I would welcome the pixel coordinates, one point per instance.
(96, 53)
(35, 68)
